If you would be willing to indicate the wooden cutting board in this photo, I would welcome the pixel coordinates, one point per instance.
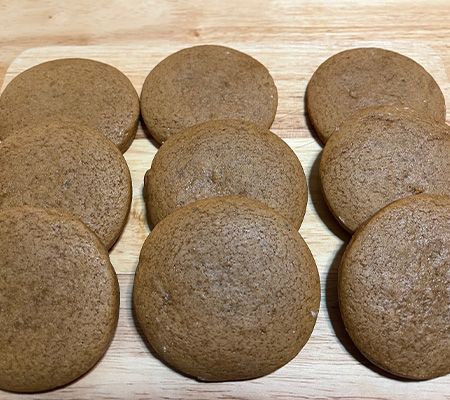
(329, 367)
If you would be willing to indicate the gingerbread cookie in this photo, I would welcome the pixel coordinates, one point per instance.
(201, 83)
(83, 91)
(394, 283)
(226, 289)
(379, 155)
(59, 299)
(226, 157)
(358, 78)
(69, 167)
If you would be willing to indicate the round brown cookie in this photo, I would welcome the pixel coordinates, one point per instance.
(59, 301)
(226, 289)
(394, 285)
(84, 91)
(379, 155)
(68, 167)
(358, 78)
(226, 157)
(201, 83)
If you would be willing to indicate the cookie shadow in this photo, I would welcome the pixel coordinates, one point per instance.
(332, 302)
(308, 121)
(146, 213)
(148, 134)
(121, 232)
(319, 204)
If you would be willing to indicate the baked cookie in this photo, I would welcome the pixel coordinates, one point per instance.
(84, 91)
(379, 155)
(201, 83)
(59, 301)
(226, 289)
(226, 157)
(68, 167)
(358, 78)
(394, 285)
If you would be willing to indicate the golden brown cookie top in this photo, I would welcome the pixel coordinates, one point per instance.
(68, 167)
(206, 82)
(59, 299)
(84, 91)
(226, 289)
(226, 157)
(364, 77)
(379, 155)
(394, 285)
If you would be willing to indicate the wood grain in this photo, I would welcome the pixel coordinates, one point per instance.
(329, 367)
(29, 23)
(291, 65)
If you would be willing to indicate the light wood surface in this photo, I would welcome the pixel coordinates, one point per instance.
(329, 367)
(30, 23)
